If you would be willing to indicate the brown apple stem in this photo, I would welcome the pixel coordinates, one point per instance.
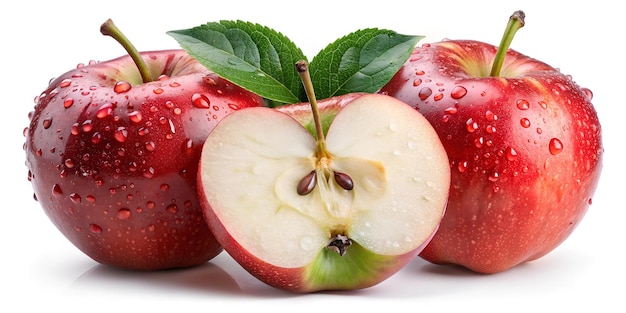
(108, 28)
(303, 70)
(516, 21)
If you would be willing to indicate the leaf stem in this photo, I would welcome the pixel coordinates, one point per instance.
(516, 21)
(108, 28)
(303, 70)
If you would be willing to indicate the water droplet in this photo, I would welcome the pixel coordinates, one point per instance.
(458, 92)
(417, 82)
(234, 106)
(511, 154)
(69, 163)
(425, 93)
(470, 125)
(157, 91)
(149, 173)
(104, 110)
(56, 190)
(523, 104)
(164, 187)
(555, 146)
(68, 102)
(135, 116)
(543, 104)
(420, 72)
(451, 110)
(525, 122)
(479, 142)
(120, 134)
(90, 198)
(494, 177)
(490, 116)
(96, 229)
(462, 166)
(121, 87)
(65, 83)
(200, 101)
(307, 243)
(150, 146)
(123, 214)
(172, 208)
(588, 93)
(438, 97)
(174, 84)
(96, 138)
(47, 123)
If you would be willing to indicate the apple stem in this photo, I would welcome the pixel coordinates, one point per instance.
(516, 21)
(303, 70)
(109, 28)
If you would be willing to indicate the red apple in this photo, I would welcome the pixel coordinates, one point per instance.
(340, 196)
(524, 146)
(113, 159)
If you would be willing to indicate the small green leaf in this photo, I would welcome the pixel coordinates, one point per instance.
(362, 61)
(252, 56)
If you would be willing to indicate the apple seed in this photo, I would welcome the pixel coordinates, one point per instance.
(344, 180)
(307, 183)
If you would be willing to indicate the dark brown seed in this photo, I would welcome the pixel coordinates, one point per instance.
(307, 183)
(344, 180)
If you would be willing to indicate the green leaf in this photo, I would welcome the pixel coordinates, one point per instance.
(252, 56)
(362, 61)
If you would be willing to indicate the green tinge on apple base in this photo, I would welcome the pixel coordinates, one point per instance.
(358, 268)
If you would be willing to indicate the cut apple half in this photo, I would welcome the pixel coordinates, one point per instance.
(344, 216)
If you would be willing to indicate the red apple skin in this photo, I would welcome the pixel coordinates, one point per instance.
(115, 170)
(525, 151)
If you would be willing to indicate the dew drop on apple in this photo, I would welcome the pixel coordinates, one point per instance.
(87, 126)
(157, 91)
(135, 116)
(458, 92)
(425, 93)
(123, 214)
(104, 110)
(523, 104)
(56, 190)
(511, 154)
(234, 106)
(417, 82)
(65, 83)
(588, 93)
(47, 123)
(200, 101)
(76, 198)
(94, 228)
(471, 126)
(462, 166)
(67, 103)
(120, 134)
(525, 122)
(555, 146)
(493, 177)
(121, 87)
(307, 243)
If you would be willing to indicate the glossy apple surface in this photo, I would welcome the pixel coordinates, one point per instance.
(113, 161)
(525, 151)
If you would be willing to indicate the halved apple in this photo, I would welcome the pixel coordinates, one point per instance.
(345, 210)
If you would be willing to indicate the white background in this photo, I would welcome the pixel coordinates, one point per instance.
(40, 268)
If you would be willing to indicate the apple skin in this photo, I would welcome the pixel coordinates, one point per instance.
(115, 168)
(372, 268)
(525, 151)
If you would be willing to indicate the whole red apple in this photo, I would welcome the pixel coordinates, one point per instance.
(113, 160)
(524, 146)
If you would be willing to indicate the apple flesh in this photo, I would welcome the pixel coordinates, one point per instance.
(347, 219)
(113, 161)
(525, 151)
